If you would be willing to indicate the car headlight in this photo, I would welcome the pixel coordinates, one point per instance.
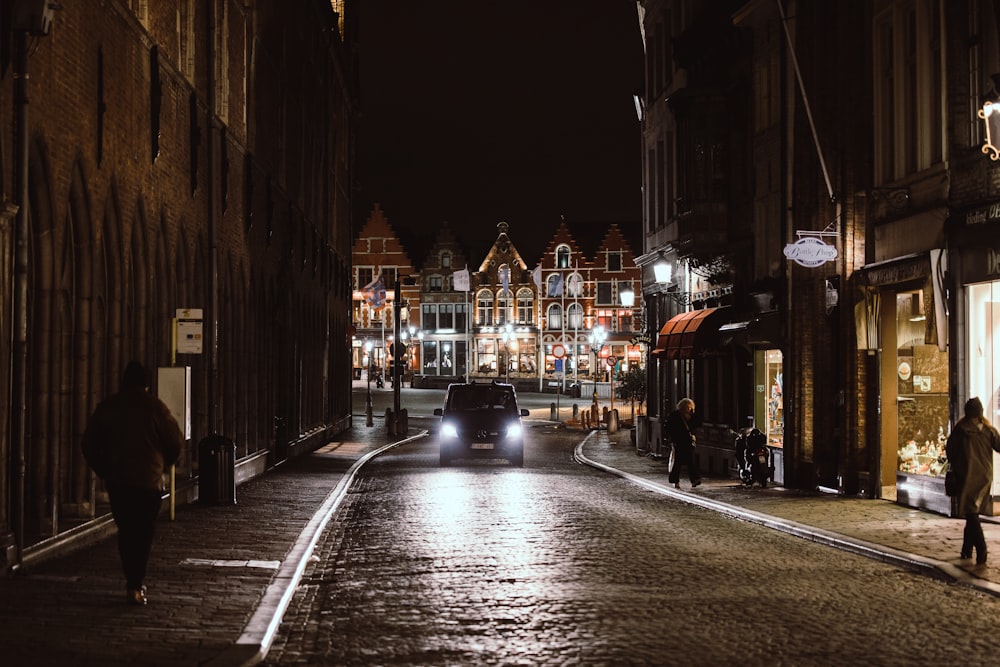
(514, 431)
(448, 430)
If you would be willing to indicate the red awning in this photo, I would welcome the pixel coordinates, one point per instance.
(686, 335)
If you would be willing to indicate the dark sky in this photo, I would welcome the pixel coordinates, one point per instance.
(476, 112)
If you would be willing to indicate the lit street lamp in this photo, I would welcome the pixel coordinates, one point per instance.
(368, 399)
(509, 342)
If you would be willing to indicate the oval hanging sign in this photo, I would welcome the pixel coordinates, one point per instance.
(810, 251)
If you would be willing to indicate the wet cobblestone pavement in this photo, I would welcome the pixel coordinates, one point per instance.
(214, 567)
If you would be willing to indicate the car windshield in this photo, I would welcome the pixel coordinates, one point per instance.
(482, 398)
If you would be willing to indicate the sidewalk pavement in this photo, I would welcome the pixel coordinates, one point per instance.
(880, 529)
(220, 577)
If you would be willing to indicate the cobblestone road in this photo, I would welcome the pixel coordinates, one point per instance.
(557, 563)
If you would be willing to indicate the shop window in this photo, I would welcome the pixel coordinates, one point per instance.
(447, 363)
(486, 356)
(429, 356)
(922, 390)
(984, 347)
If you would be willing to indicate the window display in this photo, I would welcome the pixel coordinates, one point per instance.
(922, 391)
(769, 400)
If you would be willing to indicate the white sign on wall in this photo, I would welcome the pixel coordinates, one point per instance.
(189, 331)
(810, 251)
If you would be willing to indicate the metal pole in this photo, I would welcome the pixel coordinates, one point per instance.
(21, 258)
(396, 366)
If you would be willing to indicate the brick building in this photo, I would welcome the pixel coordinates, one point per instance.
(378, 255)
(190, 155)
(852, 211)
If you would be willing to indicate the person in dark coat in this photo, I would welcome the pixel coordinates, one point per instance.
(970, 450)
(130, 441)
(678, 429)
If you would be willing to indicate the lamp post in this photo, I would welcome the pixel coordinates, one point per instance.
(368, 399)
(508, 342)
(596, 338)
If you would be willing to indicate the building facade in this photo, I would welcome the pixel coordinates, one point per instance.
(856, 183)
(168, 168)
(380, 264)
(501, 319)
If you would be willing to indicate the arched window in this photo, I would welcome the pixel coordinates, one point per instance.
(562, 256)
(553, 285)
(504, 299)
(484, 308)
(574, 285)
(574, 316)
(525, 306)
(554, 319)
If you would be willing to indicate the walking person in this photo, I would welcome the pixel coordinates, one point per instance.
(970, 450)
(130, 440)
(678, 428)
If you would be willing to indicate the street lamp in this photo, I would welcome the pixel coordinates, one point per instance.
(368, 399)
(508, 342)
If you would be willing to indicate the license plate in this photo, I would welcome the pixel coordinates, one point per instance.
(481, 445)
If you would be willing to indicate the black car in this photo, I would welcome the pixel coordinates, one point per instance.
(481, 420)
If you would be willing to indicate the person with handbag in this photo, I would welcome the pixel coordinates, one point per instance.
(678, 429)
(970, 450)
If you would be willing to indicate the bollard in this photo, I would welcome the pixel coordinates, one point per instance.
(389, 423)
(402, 422)
(612, 417)
(368, 410)
(552, 412)
(586, 420)
(576, 412)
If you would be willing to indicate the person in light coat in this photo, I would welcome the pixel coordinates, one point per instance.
(970, 450)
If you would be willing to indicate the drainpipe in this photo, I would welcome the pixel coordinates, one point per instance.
(20, 316)
(213, 242)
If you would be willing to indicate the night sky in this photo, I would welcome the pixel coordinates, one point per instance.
(476, 112)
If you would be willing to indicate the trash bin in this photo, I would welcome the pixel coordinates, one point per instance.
(574, 390)
(217, 471)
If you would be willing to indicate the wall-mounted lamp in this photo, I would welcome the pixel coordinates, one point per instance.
(663, 272)
(627, 296)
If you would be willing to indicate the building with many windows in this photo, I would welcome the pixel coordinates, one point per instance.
(504, 320)
(830, 171)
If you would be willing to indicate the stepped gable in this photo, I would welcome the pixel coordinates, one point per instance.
(614, 240)
(563, 235)
(503, 252)
(379, 245)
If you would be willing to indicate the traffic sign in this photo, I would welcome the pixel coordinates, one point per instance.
(612, 361)
(558, 351)
(559, 366)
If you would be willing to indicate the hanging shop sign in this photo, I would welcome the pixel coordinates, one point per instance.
(810, 252)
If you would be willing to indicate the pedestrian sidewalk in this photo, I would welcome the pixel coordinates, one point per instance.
(879, 529)
(218, 576)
